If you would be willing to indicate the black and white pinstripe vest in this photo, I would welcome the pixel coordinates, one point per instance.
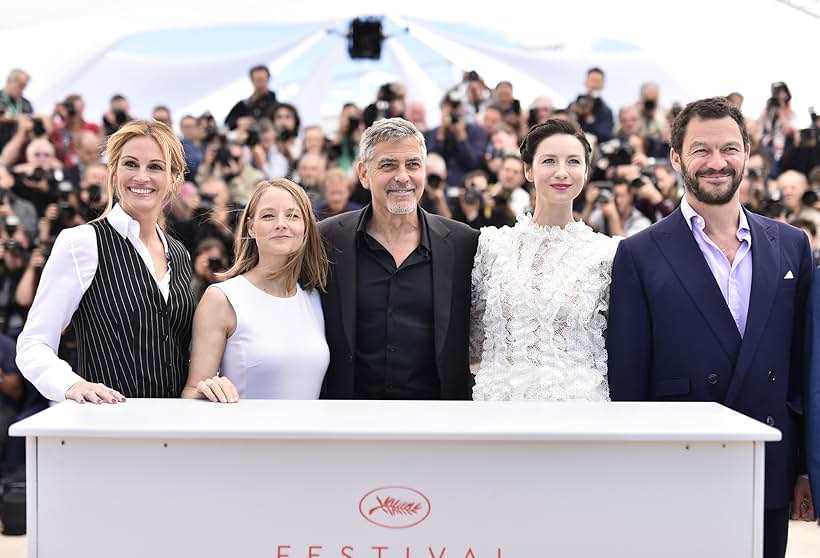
(129, 337)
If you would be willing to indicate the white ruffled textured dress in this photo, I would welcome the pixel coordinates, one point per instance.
(538, 316)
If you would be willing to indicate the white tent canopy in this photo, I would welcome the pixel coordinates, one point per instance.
(194, 56)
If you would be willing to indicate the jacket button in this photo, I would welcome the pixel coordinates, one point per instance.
(770, 420)
(712, 379)
(772, 376)
(350, 358)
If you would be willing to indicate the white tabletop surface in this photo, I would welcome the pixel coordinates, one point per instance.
(421, 420)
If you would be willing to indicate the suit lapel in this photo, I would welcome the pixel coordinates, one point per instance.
(683, 254)
(345, 269)
(765, 277)
(442, 260)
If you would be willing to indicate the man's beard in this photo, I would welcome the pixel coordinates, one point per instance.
(402, 207)
(718, 196)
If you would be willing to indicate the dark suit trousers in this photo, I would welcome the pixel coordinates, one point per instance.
(775, 532)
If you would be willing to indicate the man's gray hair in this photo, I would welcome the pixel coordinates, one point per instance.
(17, 74)
(389, 130)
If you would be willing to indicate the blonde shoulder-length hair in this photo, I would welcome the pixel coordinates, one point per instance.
(307, 265)
(172, 153)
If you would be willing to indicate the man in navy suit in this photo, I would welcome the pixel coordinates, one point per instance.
(709, 303)
(813, 398)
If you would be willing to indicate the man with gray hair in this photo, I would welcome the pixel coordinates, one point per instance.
(12, 102)
(398, 295)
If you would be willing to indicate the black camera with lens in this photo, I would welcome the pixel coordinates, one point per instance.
(285, 135)
(12, 222)
(67, 210)
(252, 138)
(70, 108)
(386, 93)
(353, 124)
(120, 117)
(434, 181)
(13, 246)
(223, 155)
(215, 264)
(617, 152)
(38, 128)
(472, 196)
(94, 193)
(38, 174)
(584, 103)
(755, 173)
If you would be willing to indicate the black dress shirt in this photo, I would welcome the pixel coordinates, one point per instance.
(395, 354)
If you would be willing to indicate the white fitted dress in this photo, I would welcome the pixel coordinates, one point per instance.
(278, 350)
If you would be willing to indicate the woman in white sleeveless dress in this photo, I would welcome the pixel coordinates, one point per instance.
(260, 334)
(541, 288)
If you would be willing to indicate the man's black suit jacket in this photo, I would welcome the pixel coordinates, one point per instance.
(453, 247)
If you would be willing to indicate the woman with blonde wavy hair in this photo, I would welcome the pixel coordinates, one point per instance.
(260, 334)
(121, 281)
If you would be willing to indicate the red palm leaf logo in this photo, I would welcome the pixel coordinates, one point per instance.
(394, 507)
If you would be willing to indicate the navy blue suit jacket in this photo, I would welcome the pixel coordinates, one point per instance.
(813, 396)
(671, 336)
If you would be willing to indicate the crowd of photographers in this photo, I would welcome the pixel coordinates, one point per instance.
(52, 175)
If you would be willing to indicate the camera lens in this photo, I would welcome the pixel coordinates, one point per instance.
(215, 264)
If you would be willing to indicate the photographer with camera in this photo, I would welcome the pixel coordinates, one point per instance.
(215, 216)
(509, 192)
(510, 107)
(652, 116)
(259, 104)
(802, 152)
(13, 262)
(225, 159)
(279, 147)
(26, 129)
(67, 124)
(615, 213)
(36, 180)
(93, 195)
(12, 205)
(389, 104)
(118, 114)
(459, 142)
(64, 213)
(476, 206)
(776, 124)
(434, 197)
(12, 107)
(594, 116)
(209, 259)
(798, 198)
(12, 102)
(345, 146)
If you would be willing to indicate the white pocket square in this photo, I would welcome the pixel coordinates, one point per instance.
(789, 275)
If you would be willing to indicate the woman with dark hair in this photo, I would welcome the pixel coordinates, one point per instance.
(260, 334)
(541, 288)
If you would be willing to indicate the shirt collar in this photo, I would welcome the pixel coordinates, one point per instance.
(693, 219)
(124, 224)
(361, 230)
